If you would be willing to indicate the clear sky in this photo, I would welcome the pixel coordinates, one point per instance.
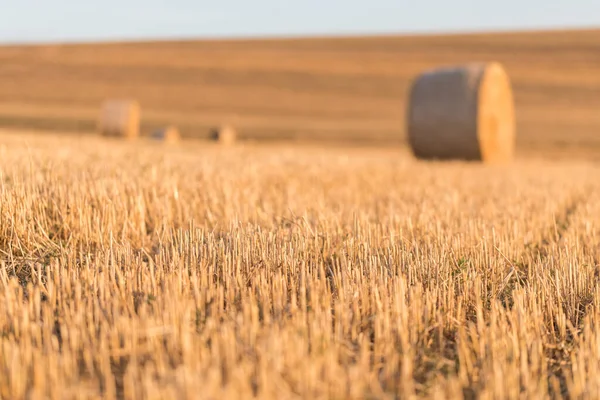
(84, 20)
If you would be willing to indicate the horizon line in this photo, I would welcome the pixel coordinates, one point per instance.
(130, 39)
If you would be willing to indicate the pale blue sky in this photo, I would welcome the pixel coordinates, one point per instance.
(83, 20)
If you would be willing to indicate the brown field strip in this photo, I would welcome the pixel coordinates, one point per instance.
(347, 89)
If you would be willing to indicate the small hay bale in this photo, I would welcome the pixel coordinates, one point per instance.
(462, 112)
(169, 135)
(120, 118)
(225, 135)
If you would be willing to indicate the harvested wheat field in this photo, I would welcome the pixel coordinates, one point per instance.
(202, 272)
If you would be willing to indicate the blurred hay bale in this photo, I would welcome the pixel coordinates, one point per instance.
(169, 135)
(224, 134)
(462, 112)
(120, 118)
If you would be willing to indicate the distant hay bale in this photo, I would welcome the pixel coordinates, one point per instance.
(120, 118)
(225, 135)
(462, 112)
(169, 134)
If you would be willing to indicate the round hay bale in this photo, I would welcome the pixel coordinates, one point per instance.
(225, 135)
(120, 118)
(462, 112)
(169, 135)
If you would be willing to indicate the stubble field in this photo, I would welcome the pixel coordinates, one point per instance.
(297, 269)
(131, 270)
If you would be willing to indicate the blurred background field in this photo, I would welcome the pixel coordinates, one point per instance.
(326, 90)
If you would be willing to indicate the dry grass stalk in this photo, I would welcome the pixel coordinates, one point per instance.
(297, 273)
(120, 118)
(463, 112)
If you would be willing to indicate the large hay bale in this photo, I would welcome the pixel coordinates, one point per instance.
(169, 134)
(462, 112)
(120, 118)
(225, 135)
